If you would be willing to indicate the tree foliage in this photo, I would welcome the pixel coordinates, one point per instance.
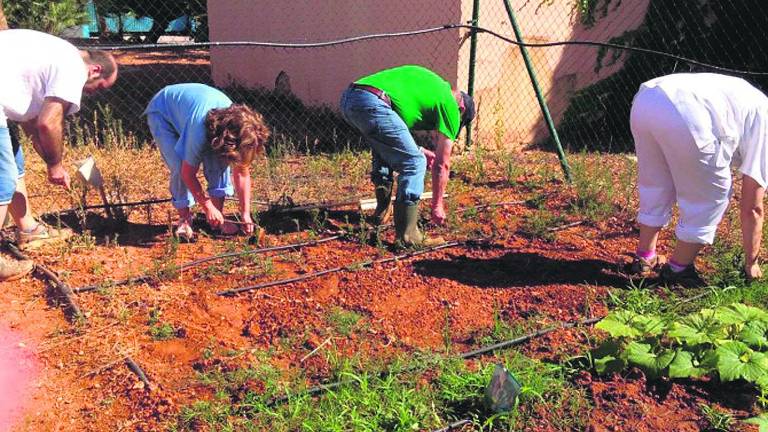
(730, 34)
(45, 15)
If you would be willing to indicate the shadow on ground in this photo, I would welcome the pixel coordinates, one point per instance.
(104, 230)
(521, 269)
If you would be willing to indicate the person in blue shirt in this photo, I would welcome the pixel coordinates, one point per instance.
(195, 124)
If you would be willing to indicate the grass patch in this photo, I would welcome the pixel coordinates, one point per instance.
(538, 225)
(414, 395)
(594, 189)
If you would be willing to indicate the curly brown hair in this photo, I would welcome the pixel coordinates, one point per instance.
(236, 133)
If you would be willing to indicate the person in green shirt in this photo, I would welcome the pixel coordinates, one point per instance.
(385, 107)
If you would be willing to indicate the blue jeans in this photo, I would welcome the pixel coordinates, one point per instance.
(11, 164)
(215, 168)
(392, 145)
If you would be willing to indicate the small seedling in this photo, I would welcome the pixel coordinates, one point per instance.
(344, 321)
(719, 421)
(162, 331)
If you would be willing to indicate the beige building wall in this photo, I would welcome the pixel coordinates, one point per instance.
(319, 75)
(508, 113)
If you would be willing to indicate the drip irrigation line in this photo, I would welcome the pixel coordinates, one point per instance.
(368, 263)
(455, 425)
(336, 236)
(103, 206)
(313, 206)
(526, 338)
(565, 226)
(188, 265)
(74, 311)
(321, 388)
(136, 369)
(446, 27)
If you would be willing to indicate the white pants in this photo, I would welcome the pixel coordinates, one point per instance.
(673, 167)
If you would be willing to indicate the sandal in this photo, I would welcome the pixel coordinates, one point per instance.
(642, 267)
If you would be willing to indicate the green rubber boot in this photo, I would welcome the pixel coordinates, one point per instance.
(407, 231)
(383, 212)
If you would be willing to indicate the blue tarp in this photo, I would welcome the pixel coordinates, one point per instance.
(131, 24)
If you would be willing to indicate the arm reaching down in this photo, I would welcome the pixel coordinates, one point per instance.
(751, 212)
(189, 176)
(47, 133)
(242, 180)
(441, 169)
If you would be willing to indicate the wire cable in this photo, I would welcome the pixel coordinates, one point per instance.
(446, 27)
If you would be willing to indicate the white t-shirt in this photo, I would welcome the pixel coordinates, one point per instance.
(33, 66)
(727, 117)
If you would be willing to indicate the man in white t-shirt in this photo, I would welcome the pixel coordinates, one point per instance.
(689, 129)
(42, 79)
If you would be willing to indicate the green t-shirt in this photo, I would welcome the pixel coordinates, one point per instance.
(422, 98)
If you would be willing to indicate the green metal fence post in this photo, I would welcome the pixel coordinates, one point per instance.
(539, 94)
(472, 61)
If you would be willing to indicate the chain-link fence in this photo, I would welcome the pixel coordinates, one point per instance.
(588, 89)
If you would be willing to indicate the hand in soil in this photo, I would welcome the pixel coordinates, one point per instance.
(58, 175)
(248, 226)
(213, 215)
(753, 272)
(438, 215)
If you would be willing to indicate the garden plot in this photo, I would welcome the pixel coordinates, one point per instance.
(388, 336)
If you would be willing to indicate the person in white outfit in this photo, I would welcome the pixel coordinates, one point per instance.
(689, 129)
(42, 79)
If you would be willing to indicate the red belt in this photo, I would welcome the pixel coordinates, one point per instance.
(381, 94)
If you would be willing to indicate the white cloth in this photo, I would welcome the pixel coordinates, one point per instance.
(34, 66)
(727, 117)
(688, 129)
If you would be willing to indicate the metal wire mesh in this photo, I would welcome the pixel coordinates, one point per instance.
(588, 89)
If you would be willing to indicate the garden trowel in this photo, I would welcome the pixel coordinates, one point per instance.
(90, 174)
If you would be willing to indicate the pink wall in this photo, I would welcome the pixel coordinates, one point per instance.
(508, 114)
(320, 75)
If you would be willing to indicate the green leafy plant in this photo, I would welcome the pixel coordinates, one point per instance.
(163, 331)
(729, 343)
(761, 421)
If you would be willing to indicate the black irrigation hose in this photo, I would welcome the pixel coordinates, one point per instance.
(146, 277)
(368, 263)
(74, 312)
(526, 338)
(103, 206)
(455, 425)
(445, 27)
(185, 266)
(313, 206)
(136, 369)
(321, 388)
